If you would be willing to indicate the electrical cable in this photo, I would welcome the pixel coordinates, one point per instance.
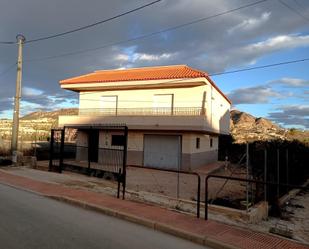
(260, 67)
(294, 10)
(144, 36)
(93, 24)
(7, 42)
(7, 69)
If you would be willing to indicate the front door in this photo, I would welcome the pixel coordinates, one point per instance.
(93, 143)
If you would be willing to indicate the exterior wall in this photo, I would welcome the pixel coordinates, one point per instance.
(216, 118)
(105, 144)
(82, 140)
(218, 111)
(135, 148)
(143, 98)
(191, 157)
(205, 96)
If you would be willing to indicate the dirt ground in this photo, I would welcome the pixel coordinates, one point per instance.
(185, 186)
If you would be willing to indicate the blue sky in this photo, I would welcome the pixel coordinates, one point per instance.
(265, 33)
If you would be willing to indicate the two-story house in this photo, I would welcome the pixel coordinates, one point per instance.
(174, 114)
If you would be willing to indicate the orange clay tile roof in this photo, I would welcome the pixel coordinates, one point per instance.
(138, 74)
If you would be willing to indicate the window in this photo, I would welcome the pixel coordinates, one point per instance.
(118, 140)
(210, 142)
(198, 141)
(109, 105)
(163, 103)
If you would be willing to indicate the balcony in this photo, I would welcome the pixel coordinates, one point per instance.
(173, 119)
(161, 111)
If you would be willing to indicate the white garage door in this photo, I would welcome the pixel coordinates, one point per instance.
(162, 151)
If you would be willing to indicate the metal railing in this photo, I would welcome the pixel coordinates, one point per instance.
(266, 183)
(149, 111)
(198, 195)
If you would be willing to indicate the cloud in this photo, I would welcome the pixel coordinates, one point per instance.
(253, 95)
(291, 115)
(122, 57)
(30, 92)
(150, 57)
(205, 45)
(249, 54)
(250, 23)
(291, 82)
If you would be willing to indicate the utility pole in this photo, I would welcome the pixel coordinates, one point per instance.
(14, 144)
(247, 173)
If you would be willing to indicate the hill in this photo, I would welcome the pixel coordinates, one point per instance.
(51, 114)
(247, 128)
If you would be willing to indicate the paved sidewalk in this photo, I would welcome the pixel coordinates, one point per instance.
(210, 233)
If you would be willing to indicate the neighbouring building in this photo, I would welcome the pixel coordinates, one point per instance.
(174, 114)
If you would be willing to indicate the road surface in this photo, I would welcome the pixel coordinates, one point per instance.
(30, 221)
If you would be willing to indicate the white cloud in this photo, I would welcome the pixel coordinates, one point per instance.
(291, 82)
(29, 105)
(150, 57)
(250, 23)
(253, 95)
(291, 115)
(279, 42)
(249, 54)
(31, 92)
(122, 57)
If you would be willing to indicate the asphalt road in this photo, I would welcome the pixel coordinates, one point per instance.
(29, 221)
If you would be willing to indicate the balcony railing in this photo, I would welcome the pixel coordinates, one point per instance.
(176, 111)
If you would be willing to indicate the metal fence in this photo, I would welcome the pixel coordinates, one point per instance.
(67, 154)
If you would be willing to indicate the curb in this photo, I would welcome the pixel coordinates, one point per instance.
(206, 241)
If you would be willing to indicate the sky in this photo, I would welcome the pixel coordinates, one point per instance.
(269, 32)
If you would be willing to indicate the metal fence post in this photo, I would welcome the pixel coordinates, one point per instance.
(206, 197)
(265, 174)
(198, 195)
(51, 150)
(61, 150)
(119, 180)
(278, 173)
(124, 166)
(287, 167)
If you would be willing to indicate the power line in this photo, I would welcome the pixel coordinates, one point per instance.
(214, 74)
(7, 69)
(294, 10)
(93, 24)
(260, 67)
(144, 36)
(7, 42)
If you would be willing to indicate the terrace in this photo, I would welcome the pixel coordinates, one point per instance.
(163, 118)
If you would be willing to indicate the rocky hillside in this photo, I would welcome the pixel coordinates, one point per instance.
(247, 128)
(50, 115)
